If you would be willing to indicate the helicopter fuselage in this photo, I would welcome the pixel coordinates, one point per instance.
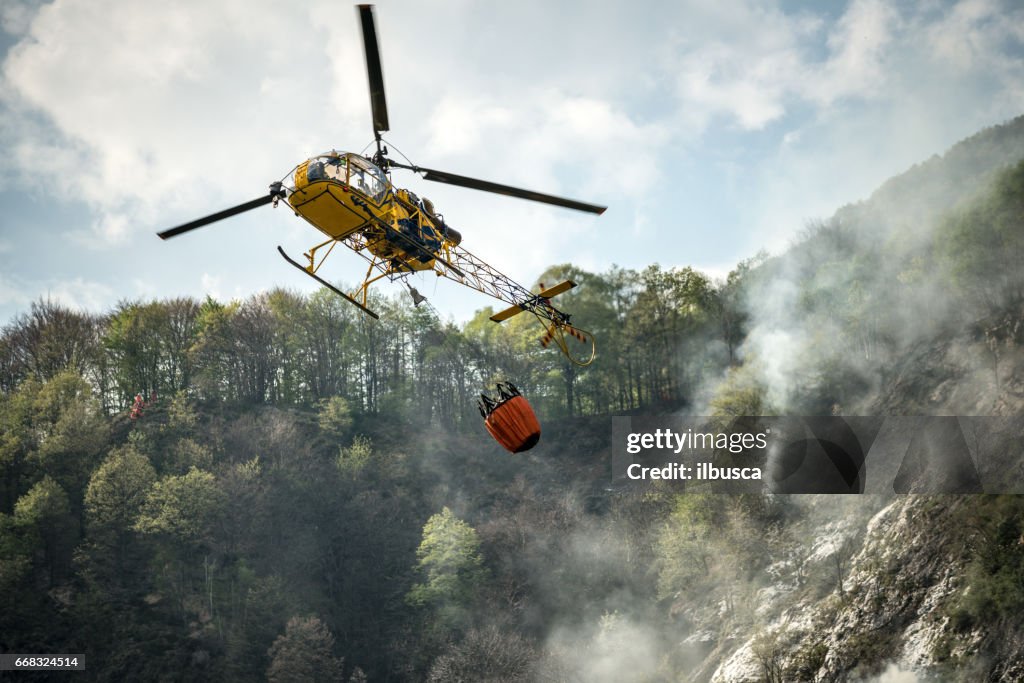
(347, 197)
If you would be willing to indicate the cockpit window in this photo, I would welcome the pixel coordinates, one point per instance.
(366, 177)
(327, 167)
(334, 168)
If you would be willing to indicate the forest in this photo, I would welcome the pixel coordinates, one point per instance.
(666, 327)
(302, 493)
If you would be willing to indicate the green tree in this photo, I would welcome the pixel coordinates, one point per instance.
(147, 347)
(116, 494)
(213, 355)
(289, 353)
(46, 341)
(71, 433)
(729, 303)
(17, 439)
(449, 556)
(666, 325)
(335, 418)
(305, 652)
(179, 511)
(111, 561)
(45, 514)
(328, 333)
(741, 394)
(15, 555)
(23, 600)
(995, 576)
(54, 428)
(490, 654)
(686, 546)
(182, 508)
(353, 459)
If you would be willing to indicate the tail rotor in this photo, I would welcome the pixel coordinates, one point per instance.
(563, 335)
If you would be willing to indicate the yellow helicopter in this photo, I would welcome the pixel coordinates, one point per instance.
(350, 199)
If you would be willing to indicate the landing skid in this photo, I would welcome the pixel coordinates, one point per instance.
(328, 285)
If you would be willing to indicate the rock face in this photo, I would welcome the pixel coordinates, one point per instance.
(898, 566)
(905, 570)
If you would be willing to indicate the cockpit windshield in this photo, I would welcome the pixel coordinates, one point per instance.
(353, 169)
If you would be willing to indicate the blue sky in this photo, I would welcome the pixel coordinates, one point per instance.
(711, 130)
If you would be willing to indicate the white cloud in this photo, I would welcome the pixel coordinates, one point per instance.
(980, 41)
(15, 16)
(742, 64)
(968, 34)
(856, 64)
(458, 124)
(78, 293)
(109, 226)
(761, 63)
(156, 106)
(750, 88)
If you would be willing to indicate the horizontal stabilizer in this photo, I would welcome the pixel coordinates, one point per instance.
(507, 313)
(557, 289)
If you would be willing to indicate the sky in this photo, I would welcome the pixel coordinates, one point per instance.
(710, 130)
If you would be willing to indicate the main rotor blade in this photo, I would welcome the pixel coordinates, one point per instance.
(214, 217)
(487, 186)
(378, 106)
